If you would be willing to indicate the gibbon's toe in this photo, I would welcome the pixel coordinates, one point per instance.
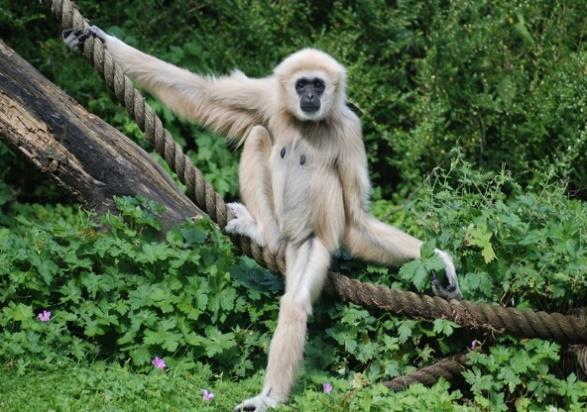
(241, 219)
(448, 292)
(259, 403)
(238, 210)
(452, 291)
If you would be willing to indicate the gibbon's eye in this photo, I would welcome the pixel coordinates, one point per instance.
(300, 84)
(318, 85)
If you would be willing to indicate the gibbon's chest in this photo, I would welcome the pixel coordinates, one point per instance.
(302, 150)
(294, 165)
(298, 165)
(304, 182)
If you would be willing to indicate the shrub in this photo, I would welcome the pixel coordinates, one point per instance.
(120, 293)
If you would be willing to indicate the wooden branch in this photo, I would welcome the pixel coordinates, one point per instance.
(83, 154)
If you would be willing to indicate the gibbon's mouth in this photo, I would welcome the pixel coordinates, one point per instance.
(310, 108)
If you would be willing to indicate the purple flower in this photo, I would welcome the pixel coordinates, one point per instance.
(44, 316)
(326, 387)
(474, 345)
(207, 396)
(158, 363)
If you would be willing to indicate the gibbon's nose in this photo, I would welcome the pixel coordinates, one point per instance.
(310, 103)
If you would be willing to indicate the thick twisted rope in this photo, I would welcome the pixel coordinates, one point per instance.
(574, 357)
(448, 368)
(520, 323)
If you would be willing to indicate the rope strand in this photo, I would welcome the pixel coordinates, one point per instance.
(448, 368)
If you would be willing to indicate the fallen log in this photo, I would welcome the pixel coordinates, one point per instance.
(80, 152)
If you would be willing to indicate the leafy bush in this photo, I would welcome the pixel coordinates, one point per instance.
(523, 248)
(117, 292)
(502, 81)
(122, 294)
(507, 377)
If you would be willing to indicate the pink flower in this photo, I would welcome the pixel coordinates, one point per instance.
(326, 387)
(474, 345)
(44, 316)
(207, 396)
(158, 363)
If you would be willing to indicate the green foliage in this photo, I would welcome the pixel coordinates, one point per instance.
(523, 248)
(502, 81)
(116, 388)
(507, 376)
(123, 294)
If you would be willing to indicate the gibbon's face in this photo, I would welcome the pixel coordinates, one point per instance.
(311, 95)
(312, 84)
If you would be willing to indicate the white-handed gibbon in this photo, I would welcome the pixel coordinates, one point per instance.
(303, 178)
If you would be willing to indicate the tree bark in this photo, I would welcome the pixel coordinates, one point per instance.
(83, 154)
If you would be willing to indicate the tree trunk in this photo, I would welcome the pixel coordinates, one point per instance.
(81, 153)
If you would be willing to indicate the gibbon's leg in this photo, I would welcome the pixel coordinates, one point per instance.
(307, 265)
(373, 240)
(257, 220)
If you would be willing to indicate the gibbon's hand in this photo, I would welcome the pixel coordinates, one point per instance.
(75, 39)
(452, 291)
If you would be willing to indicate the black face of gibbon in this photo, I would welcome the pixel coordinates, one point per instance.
(310, 91)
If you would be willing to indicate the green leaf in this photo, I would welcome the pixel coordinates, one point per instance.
(140, 356)
(18, 312)
(405, 331)
(480, 236)
(427, 249)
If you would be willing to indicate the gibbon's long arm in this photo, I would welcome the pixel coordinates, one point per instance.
(365, 236)
(229, 104)
(352, 168)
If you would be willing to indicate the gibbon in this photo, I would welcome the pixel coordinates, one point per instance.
(303, 178)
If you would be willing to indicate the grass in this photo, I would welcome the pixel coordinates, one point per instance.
(103, 387)
(100, 386)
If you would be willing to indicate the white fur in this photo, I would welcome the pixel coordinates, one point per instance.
(451, 273)
(244, 224)
(303, 179)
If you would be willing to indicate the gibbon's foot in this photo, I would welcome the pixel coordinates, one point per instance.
(452, 291)
(75, 39)
(243, 223)
(259, 403)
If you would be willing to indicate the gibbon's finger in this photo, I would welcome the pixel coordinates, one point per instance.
(243, 223)
(97, 32)
(246, 407)
(74, 38)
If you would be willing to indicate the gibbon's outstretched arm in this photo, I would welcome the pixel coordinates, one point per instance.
(230, 104)
(365, 236)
